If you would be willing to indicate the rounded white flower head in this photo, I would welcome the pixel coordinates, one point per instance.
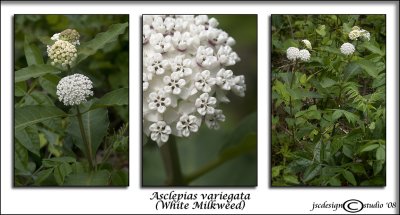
(304, 55)
(307, 43)
(74, 89)
(185, 74)
(347, 48)
(62, 53)
(292, 53)
(357, 32)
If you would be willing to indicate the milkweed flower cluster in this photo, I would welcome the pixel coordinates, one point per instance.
(307, 43)
(356, 32)
(185, 74)
(74, 89)
(63, 52)
(347, 48)
(293, 53)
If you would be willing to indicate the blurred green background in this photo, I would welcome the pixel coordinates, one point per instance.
(205, 145)
(108, 68)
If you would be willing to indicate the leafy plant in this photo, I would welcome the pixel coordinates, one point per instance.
(328, 111)
(60, 139)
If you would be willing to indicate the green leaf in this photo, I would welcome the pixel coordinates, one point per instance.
(327, 82)
(380, 154)
(20, 157)
(291, 179)
(334, 181)
(101, 40)
(95, 123)
(116, 97)
(34, 71)
(100, 178)
(369, 67)
(49, 83)
(321, 30)
(336, 115)
(29, 138)
(32, 53)
(276, 170)
(20, 89)
(349, 177)
(311, 172)
(351, 70)
(29, 115)
(119, 178)
(374, 49)
(377, 166)
(42, 176)
(61, 171)
(368, 147)
(52, 162)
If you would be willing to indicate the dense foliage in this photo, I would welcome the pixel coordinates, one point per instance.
(49, 146)
(328, 113)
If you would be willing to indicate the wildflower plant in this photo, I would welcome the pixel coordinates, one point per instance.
(328, 103)
(188, 74)
(63, 115)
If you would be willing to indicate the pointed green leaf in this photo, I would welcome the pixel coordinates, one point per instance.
(335, 182)
(20, 157)
(61, 171)
(311, 172)
(291, 179)
(42, 176)
(20, 89)
(368, 148)
(369, 67)
(29, 115)
(120, 178)
(374, 49)
(49, 83)
(327, 82)
(116, 97)
(336, 115)
(91, 47)
(349, 177)
(28, 138)
(34, 71)
(32, 53)
(380, 154)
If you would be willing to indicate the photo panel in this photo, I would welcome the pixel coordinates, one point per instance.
(328, 108)
(71, 100)
(199, 100)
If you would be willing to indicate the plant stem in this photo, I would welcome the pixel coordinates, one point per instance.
(291, 105)
(170, 156)
(85, 141)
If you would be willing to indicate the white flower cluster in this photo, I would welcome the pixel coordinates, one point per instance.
(63, 52)
(307, 43)
(347, 48)
(357, 32)
(185, 75)
(293, 53)
(74, 89)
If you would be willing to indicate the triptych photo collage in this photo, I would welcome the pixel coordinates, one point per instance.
(198, 108)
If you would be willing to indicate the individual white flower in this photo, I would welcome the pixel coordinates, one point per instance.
(187, 124)
(307, 43)
(159, 101)
(155, 63)
(225, 79)
(203, 81)
(304, 55)
(347, 48)
(62, 53)
(292, 53)
(212, 120)
(159, 132)
(74, 89)
(205, 57)
(185, 73)
(365, 34)
(174, 83)
(205, 104)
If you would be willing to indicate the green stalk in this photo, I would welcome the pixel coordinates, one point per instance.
(170, 156)
(291, 105)
(87, 144)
